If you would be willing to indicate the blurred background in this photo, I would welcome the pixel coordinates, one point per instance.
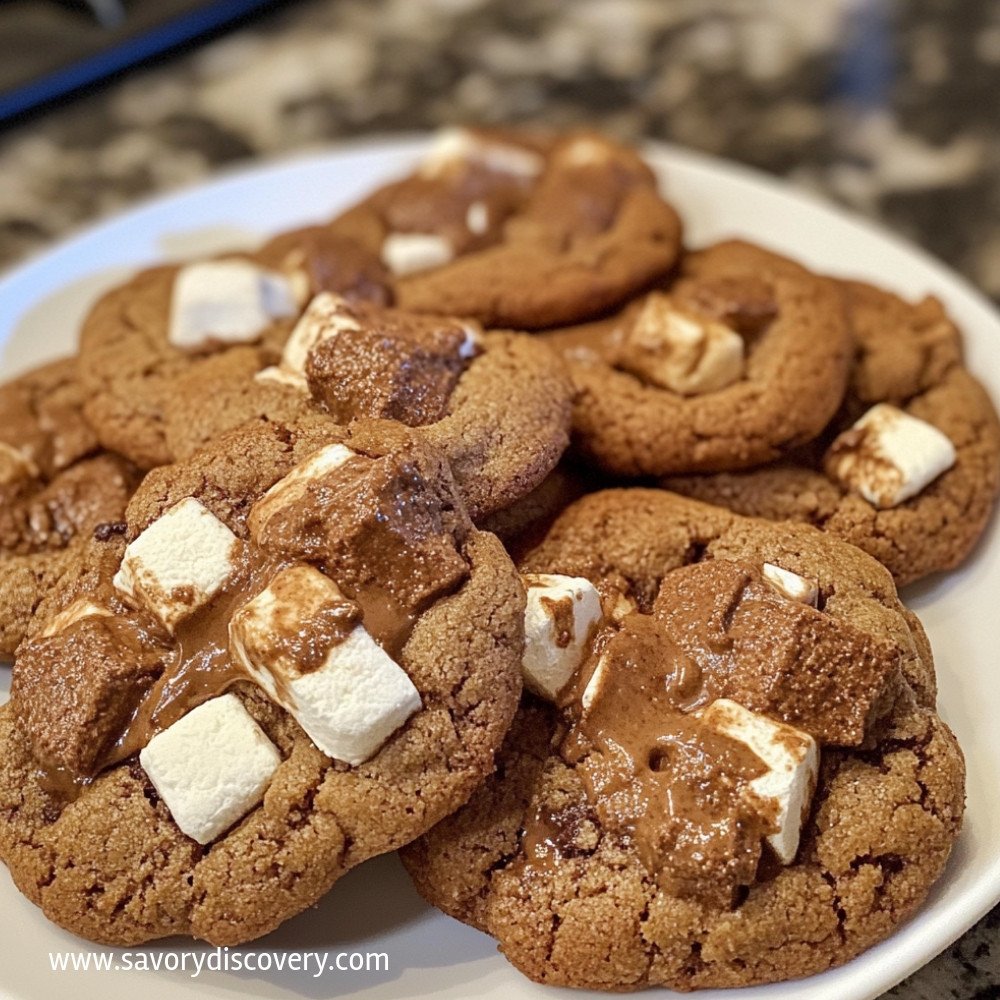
(889, 108)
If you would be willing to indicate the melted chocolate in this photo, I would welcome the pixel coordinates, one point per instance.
(396, 366)
(655, 774)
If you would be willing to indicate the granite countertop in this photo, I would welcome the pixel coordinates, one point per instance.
(888, 108)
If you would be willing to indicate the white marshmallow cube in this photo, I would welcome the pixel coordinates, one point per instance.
(685, 354)
(791, 757)
(457, 145)
(293, 487)
(179, 563)
(227, 302)
(211, 767)
(15, 467)
(791, 585)
(75, 612)
(353, 702)
(553, 651)
(889, 456)
(407, 253)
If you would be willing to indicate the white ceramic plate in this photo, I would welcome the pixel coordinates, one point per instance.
(374, 909)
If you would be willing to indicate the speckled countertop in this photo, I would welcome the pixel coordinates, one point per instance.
(889, 108)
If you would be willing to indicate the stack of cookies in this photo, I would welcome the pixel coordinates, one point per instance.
(490, 523)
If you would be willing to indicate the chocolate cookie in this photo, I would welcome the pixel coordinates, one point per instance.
(908, 356)
(520, 230)
(301, 654)
(744, 781)
(159, 353)
(738, 361)
(497, 404)
(55, 490)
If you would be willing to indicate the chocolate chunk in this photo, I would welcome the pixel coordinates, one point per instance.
(777, 656)
(745, 303)
(331, 263)
(75, 692)
(384, 530)
(108, 529)
(398, 367)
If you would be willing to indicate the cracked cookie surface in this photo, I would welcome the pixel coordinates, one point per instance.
(796, 344)
(882, 823)
(908, 355)
(110, 864)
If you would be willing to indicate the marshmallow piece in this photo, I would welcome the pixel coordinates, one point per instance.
(15, 467)
(211, 767)
(595, 685)
(477, 218)
(273, 375)
(326, 316)
(228, 302)
(354, 701)
(457, 145)
(295, 485)
(792, 760)
(75, 612)
(471, 344)
(791, 585)
(685, 354)
(407, 253)
(179, 563)
(559, 618)
(889, 456)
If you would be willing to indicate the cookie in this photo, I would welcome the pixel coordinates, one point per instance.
(55, 490)
(744, 782)
(741, 359)
(148, 340)
(909, 356)
(292, 587)
(520, 230)
(524, 524)
(498, 407)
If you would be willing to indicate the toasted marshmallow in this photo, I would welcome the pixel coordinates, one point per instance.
(75, 612)
(407, 253)
(459, 145)
(791, 585)
(358, 696)
(477, 218)
(792, 760)
(686, 354)
(295, 485)
(560, 616)
(15, 467)
(889, 456)
(179, 563)
(227, 302)
(326, 316)
(211, 767)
